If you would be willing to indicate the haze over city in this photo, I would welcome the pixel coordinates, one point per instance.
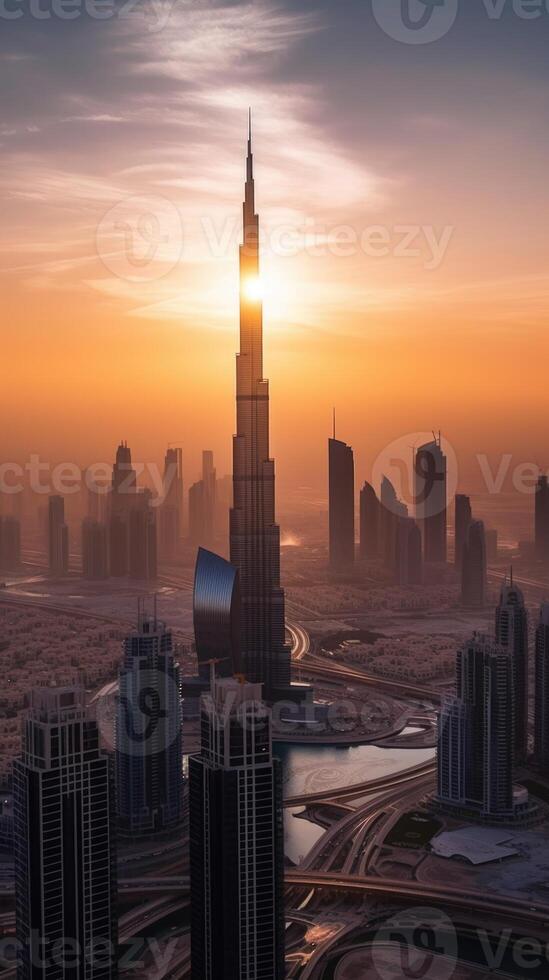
(450, 137)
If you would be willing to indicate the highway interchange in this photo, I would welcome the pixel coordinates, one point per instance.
(342, 862)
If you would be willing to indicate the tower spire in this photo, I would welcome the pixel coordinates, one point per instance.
(250, 159)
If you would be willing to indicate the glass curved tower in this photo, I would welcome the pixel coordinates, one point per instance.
(254, 534)
(216, 614)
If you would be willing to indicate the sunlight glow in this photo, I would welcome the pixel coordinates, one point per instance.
(253, 289)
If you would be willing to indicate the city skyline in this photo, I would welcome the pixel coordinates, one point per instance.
(322, 748)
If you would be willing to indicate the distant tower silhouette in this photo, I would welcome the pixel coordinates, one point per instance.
(95, 549)
(202, 503)
(542, 519)
(171, 510)
(341, 477)
(392, 510)
(58, 537)
(473, 569)
(122, 497)
(370, 520)
(408, 553)
(430, 493)
(10, 543)
(463, 518)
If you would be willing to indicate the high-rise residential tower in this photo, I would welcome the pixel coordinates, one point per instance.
(541, 740)
(65, 857)
(542, 519)
(236, 840)
(485, 684)
(475, 736)
(370, 519)
(254, 533)
(148, 731)
(430, 495)
(341, 480)
(473, 568)
(463, 518)
(512, 634)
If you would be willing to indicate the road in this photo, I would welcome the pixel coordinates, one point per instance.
(408, 891)
(319, 667)
(358, 790)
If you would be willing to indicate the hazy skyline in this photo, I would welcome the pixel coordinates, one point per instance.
(353, 130)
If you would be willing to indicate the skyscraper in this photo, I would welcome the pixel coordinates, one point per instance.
(236, 840)
(341, 477)
(95, 549)
(408, 559)
(148, 731)
(542, 519)
(171, 510)
(142, 548)
(65, 859)
(485, 684)
(473, 569)
(541, 747)
(202, 504)
(392, 510)
(475, 735)
(430, 494)
(254, 534)
(10, 542)
(58, 537)
(370, 517)
(512, 634)
(123, 490)
(452, 746)
(216, 614)
(463, 518)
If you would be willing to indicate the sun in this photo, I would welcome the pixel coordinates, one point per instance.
(253, 289)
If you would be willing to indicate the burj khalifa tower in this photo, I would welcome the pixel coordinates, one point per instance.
(254, 534)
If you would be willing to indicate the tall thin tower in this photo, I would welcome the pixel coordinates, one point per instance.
(254, 534)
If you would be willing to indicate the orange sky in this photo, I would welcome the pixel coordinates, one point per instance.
(122, 196)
